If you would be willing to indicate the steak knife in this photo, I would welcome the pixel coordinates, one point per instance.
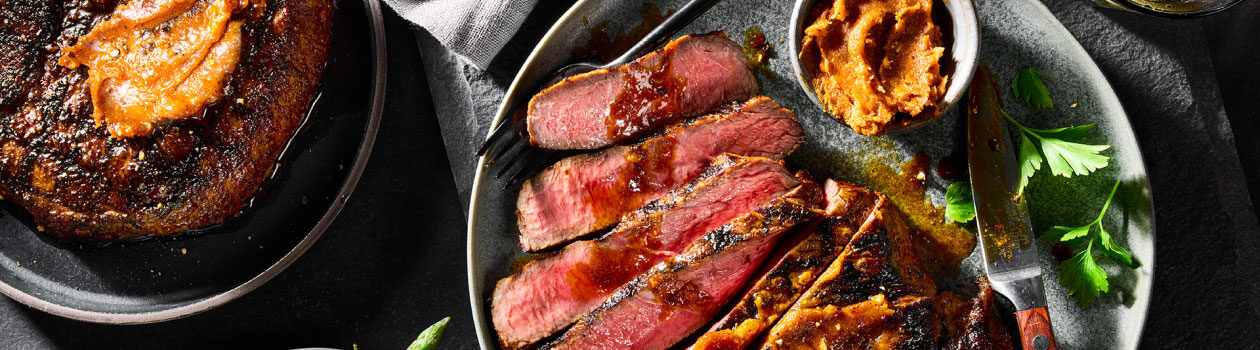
(1009, 246)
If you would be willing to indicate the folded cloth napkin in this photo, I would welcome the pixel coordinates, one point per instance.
(474, 29)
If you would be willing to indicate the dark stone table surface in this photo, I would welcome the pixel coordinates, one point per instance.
(393, 262)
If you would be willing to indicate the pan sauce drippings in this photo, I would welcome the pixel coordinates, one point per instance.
(157, 60)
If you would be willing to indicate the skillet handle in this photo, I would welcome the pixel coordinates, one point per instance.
(666, 29)
(1034, 329)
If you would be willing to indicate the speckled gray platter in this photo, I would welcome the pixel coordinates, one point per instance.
(1014, 34)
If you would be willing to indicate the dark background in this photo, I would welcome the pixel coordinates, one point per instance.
(393, 262)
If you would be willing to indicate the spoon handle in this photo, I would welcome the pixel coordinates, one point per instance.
(666, 29)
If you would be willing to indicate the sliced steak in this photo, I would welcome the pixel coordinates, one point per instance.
(589, 192)
(875, 295)
(679, 295)
(815, 247)
(689, 76)
(549, 294)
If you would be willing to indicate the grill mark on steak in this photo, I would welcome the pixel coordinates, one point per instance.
(813, 248)
(679, 295)
(688, 76)
(550, 293)
(875, 293)
(589, 192)
(82, 186)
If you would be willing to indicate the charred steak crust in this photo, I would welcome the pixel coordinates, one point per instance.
(80, 185)
(589, 192)
(973, 324)
(821, 240)
(679, 295)
(874, 292)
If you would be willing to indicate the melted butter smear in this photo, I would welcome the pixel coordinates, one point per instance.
(157, 60)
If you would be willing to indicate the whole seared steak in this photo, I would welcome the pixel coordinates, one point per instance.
(82, 184)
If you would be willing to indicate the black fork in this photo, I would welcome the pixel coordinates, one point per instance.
(510, 139)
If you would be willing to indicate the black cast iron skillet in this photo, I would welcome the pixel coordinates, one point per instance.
(166, 278)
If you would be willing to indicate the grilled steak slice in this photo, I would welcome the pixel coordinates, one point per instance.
(818, 244)
(689, 76)
(972, 324)
(679, 295)
(550, 293)
(589, 192)
(79, 184)
(875, 295)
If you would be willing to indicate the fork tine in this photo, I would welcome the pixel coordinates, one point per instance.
(535, 163)
(506, 128)
(515, 164)
(509, 151)
(523, 167)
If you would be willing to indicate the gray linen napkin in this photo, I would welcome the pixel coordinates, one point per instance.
(473, 29)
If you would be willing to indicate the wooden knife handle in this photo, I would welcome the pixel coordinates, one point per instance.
(1034, 329)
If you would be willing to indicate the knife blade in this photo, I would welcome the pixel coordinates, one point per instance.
(1008, 245)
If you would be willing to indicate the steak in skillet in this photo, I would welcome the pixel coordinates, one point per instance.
(817, 244)
(876, 295)
(590, 192)
(550, 293)
(680, 295)
(82, 185)
(689, 76)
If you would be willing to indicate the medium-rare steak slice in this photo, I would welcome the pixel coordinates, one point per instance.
(589, 192)
(679, 295)
(550, 293)
(689, 76)
(80, 184)
(874, 296)
(818, 244)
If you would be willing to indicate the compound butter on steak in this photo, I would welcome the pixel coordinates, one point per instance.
(121, 119)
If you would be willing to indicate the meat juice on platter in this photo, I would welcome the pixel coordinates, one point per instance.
(697, 204)
(127, 119)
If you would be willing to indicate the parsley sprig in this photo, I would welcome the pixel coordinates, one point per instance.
(1081, 274)
(1061, 148)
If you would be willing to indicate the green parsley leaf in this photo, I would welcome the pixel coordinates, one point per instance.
(1113, 249)
(1030, 90)
(1065, 155)
(1029, 162)
(958, 203)
(1082, 277)
(429, 338)
(1068, 158)
(1067, 234)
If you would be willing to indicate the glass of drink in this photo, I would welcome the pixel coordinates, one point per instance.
(1171, 8)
